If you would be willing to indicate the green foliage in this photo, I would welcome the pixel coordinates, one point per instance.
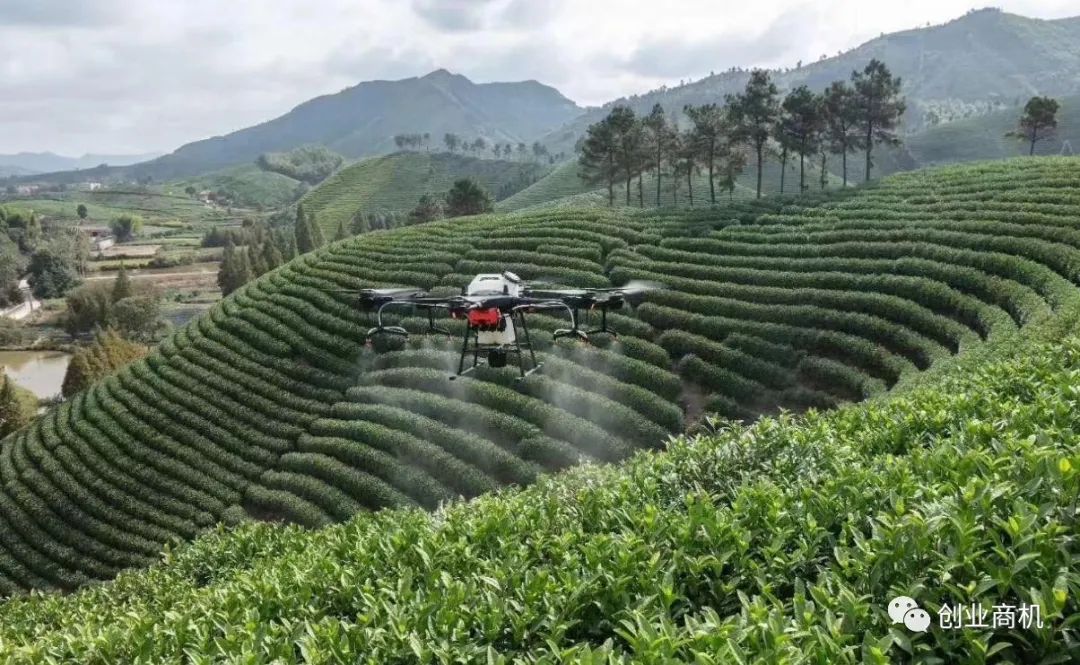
(108, 353)
(1038, 121)
(753, 112)
(879, 106)
(467, 197)
(17, 406)
(311, 164)
(388, 187)
(126, 227)
(271, 406)
(942, 476)
(428, 209)
(54, 267)
(12, 264)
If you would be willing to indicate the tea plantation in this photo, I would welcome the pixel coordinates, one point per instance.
(781, 540)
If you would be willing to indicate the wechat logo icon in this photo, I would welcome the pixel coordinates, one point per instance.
(905, 610)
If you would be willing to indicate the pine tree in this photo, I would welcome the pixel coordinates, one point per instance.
(226, 277)
(305, 240)
(316, 231)
(879, 107)
(121, 285)
(79, 374)
(271, 255)
(342, 232)
(255, 260)
(242, 273)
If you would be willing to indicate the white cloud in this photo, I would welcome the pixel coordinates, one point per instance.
(138, 75)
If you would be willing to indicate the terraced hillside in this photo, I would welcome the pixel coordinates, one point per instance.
(781, 542)
(272, 406)
(394, 183)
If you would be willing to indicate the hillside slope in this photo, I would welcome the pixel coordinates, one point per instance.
(982, 137)
(749, 545)
(272, 406)
(394, 183)
(984, 59)
(362, 120)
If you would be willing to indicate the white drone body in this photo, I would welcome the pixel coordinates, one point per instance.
(494, 328)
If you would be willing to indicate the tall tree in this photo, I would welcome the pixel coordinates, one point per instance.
(121, 285)
(879, 106)
(840, 115)
(451, 141)
(598, 159)
(802, 111)
(707, 136)
(688, 161)
(1038, 122)
(754, 113)
(305, 237)
(342, 231)
(629, 139)
(658, 139)
(316, 230)
(782, 135)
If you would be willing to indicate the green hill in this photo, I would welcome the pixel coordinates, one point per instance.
(778, 541)
(395, 183)
(248, 186)
(983, 137)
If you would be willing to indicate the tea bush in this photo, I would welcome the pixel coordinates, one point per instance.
(273, 406)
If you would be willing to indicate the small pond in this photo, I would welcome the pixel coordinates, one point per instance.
(40, 372)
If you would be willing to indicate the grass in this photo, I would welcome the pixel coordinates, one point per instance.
(271, 406)
(394, 183)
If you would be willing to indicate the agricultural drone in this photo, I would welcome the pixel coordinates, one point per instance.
(494, 308)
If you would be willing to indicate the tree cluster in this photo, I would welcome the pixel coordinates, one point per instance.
(133, 311)
(108, 353)
(412, 141)
(465, 197)
(126, 227)
(309, 163)
(720, 139)
(54, 258)
(256, 249)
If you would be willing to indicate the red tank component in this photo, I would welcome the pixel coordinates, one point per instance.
(485, 317)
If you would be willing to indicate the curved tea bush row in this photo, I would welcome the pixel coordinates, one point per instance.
(273, 405)
(743, 545)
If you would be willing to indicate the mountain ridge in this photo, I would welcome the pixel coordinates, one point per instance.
(500, 111)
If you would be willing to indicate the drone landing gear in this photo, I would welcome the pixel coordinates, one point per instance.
(583, 335)
(603, 329)
(497, 357)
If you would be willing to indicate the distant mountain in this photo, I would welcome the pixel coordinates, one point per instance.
(362, 121)
(980, 62)
(25, 163)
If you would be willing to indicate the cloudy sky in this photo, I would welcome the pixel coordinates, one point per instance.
(132, 76)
